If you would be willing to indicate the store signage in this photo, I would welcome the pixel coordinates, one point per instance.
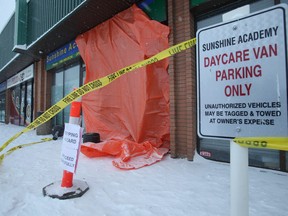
(242, 76)
(3, 86)
(22, 76)
(61, 55)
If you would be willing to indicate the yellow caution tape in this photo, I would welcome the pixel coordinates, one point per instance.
(10, 140)
(276, 143)
(22, 146)
(252, 142)
(99, 83)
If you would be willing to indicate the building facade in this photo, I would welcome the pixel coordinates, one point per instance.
(40, 63)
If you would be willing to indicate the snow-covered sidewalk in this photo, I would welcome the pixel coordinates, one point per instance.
(171, 187)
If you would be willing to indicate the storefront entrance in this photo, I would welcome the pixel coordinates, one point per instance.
(64, 81)
(21, 95)
(22, 104)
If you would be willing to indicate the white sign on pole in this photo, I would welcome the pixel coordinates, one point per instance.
(242, 76)
(69, 159)
(70, 147)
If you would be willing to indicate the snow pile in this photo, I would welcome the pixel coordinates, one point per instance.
(170, 187)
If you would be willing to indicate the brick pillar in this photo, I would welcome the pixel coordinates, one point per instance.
(182, 82)
(7, 105)
(39, 83)
(42, 94)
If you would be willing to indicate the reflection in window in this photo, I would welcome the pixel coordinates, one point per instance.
(57, 95)
(71, 80)
(64, 81)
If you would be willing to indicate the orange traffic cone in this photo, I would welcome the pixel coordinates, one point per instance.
(75, 114)
(67, 189)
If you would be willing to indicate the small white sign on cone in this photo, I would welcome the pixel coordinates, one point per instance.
(70, 147)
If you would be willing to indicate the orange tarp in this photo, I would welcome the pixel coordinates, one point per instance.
(131, 114)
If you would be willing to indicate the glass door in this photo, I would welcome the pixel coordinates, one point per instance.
(71, 80)
(22, 105)
(57, 95)
(64, 81)
(2, 107)
(15, 106)
(29, 103)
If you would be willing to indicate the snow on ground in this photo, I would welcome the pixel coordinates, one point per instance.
(171, 187)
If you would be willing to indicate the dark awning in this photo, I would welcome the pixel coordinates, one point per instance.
(88, 15)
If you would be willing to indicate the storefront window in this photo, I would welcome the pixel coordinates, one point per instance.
(29, 103)
(2, 107)
(71, 81)
(264, 158)
(57, 95)
(21, 108)
(15, 106)
(22, 105)
(21, 97)
(64, 81)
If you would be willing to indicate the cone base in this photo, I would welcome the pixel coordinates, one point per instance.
(54, 190)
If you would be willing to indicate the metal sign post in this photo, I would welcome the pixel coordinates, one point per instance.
(239, 186)
(239, 156)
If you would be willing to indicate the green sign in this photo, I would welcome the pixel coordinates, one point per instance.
(194, 3)
(62, 55)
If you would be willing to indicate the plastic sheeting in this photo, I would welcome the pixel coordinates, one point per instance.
(131, 114)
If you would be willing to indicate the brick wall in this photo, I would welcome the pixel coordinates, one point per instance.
(42, 94)
(182, 82)
(42, 87)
